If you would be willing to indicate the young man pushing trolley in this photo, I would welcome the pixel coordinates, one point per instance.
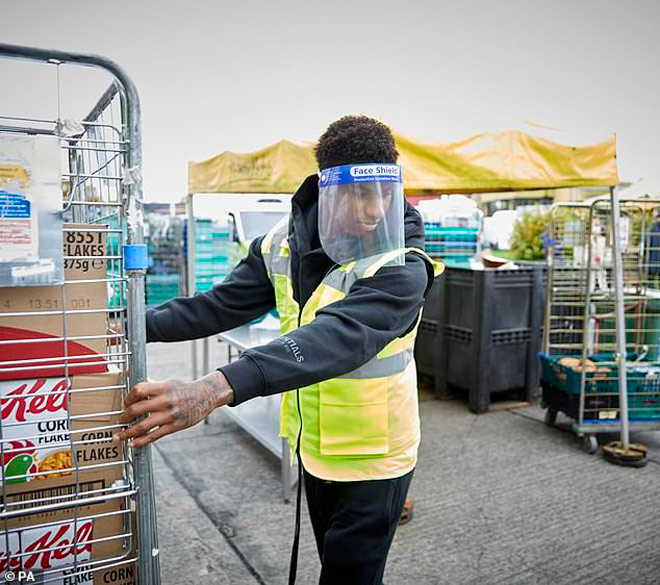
(347, 273)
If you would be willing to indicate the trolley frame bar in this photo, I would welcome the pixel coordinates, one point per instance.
(148, 563)
(620, 318)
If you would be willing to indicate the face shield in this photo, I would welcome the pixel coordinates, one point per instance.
(361, 211)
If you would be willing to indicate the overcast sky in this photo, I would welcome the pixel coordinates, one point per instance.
(217, 76)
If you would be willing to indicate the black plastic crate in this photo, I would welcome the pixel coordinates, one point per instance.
(430, 344)
(482, 331)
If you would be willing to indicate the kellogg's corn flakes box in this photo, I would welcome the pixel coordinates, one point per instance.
(53, 426)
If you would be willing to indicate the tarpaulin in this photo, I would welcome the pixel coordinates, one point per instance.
(503, 161)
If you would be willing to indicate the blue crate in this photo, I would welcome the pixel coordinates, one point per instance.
(643, 391)
(568, 380)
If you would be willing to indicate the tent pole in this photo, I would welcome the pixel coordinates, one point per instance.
(620, 318)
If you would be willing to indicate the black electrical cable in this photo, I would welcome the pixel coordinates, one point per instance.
(293, 564)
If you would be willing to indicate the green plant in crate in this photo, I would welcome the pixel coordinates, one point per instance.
(526, 242)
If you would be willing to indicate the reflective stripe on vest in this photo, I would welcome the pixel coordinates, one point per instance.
(365, 423)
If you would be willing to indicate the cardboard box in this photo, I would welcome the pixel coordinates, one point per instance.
(45, 330)
(41, 414)
(40, 418)
(125, 574)
(51, 544)
(68, 495)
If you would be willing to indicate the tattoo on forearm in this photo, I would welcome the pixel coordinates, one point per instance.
(190, 402)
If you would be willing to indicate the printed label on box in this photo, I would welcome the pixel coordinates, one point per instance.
(36, 550)
(37, 435)
(19, 235)
(30, 414)
(83, 244)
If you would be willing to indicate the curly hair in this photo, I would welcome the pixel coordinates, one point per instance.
(355, 139)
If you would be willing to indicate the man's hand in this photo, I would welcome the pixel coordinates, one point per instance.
(172, 405)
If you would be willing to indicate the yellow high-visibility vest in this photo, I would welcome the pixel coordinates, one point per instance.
(363, 425)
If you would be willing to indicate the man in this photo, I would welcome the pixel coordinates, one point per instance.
(349, 291)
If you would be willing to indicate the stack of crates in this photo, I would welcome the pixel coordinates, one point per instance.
(213, 253)
(165, 247)
(163, 287)
(453, 238)
(115, 237)
(453, 226)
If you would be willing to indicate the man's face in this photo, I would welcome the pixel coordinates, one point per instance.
(360, 211)
(367, 210)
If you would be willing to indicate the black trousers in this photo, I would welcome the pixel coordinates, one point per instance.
(354, 524)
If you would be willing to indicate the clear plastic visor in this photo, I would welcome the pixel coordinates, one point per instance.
(360, 219)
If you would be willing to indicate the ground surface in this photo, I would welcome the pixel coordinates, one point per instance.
(500, 499)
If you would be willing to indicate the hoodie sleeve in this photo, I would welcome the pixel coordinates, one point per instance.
(343, 336)
(245, 294)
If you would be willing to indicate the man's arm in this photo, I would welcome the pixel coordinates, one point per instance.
(342, 337)
(172, 405)
(245, 294)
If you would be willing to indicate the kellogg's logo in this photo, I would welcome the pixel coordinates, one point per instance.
(46, 549)
(26, 400)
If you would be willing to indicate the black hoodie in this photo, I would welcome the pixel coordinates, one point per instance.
(343, 336)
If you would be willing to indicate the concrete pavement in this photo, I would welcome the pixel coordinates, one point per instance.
(500, 499)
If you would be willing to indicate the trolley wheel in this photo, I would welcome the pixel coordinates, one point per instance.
(634, 456)
(590, 443)
(550, 416)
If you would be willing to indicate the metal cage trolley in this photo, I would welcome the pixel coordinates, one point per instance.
(75, 506)
(584, 371)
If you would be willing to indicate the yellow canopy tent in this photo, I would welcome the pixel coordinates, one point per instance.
(485, 163)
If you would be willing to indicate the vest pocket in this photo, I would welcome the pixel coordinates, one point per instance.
(353, 417)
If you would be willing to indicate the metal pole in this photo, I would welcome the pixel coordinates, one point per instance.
(149, 565)
(545, 346)
(149, 562)
(193, 360)
(205, 364)
(191, 281)
(620, 318)
(588, 282)
(205, 356)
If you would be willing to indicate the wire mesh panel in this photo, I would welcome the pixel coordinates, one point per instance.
(566, 280)
(68, 493)
(580, 370)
